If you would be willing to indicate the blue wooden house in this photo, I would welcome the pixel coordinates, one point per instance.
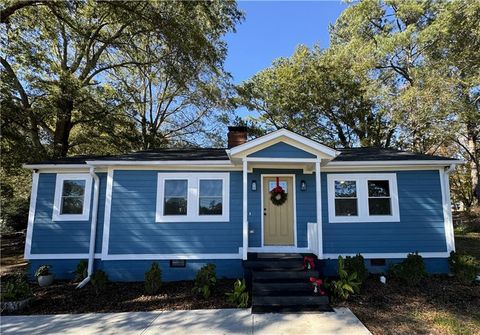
(281, 194)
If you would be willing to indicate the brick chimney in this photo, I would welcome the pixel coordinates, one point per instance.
(236, 136)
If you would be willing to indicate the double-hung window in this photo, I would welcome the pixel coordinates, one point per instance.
(192, 197)
(72, 197)
(362, 197)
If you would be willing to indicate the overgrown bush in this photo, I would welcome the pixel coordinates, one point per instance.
(465, 267)
(239, 295)
(153, 279)
(357, 264)
(99, 281)
(14, 213)
(16, 288)
(81, 271)
(205, 281)
(411, 271)
(347, 284)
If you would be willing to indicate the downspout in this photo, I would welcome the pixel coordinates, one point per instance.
(93, 228)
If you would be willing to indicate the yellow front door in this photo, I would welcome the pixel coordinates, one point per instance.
(278, 220)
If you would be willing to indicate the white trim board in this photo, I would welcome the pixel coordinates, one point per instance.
(262, 176)
(193, 197)
(108, 210)
(368, 255)
(362, 198)
(447, 211)
(87, 196)
(62, 256)
(31, 215)
(279, 249)
(125, 257)
(394, 162)
(283, 134)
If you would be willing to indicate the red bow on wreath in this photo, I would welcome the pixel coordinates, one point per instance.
(278, 195)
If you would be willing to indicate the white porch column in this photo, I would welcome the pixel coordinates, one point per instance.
(319, 207)
(245, 210)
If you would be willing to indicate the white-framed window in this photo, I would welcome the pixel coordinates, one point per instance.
(72, 197)
(193, 197)
(362, 197)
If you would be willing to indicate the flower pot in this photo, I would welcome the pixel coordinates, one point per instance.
(13, 306)
(45, 280)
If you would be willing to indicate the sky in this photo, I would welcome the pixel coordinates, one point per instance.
(274, 29)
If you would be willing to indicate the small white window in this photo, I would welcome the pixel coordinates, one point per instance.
(72, 197)
(192, 197)
(362, 197)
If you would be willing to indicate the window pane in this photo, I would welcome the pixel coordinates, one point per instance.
(175, 202)
(378, 188)
(346, 207)
(379, 206)
(345, 189)
(211, 188)
(75, 188)
(175, 206)
(210, 206)
(72, 205)
(176, 188)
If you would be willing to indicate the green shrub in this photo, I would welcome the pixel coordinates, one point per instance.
(81, 271)
(205, 281)
(43, 270)
(346, 284)
(239, 295)
(153, 279)
(357, 264)
(16, 289)
(99, 280)
(411, 271)
(465, 267)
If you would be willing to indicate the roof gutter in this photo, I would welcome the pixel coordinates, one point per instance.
(396, 163)
(93, 228)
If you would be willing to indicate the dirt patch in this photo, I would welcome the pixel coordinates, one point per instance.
(63, 297)
(11, 250)
(441, 305)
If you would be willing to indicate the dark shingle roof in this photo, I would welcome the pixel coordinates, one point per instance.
(381, 154)
(213, 154)
(151, 155)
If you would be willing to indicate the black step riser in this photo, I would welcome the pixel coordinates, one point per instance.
(291, 309)
(289, 300)
(273, 275)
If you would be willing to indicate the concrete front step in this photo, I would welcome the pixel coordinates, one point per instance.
(292, 300)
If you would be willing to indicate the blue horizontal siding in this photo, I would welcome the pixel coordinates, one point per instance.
(282, 150)
(421, 226)
(49, 237)
(134, 270)
(133, 229)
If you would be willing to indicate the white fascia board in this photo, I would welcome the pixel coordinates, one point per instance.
(396, 163)
(279, 133)
(216, 163)
(54, 166)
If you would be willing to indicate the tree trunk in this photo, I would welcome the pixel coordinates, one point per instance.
(473, 139)
(63, 126)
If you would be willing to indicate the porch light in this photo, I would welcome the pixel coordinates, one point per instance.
(254, 185)
(303, 185)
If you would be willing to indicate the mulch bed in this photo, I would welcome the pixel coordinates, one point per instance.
(63, 297)
(396, 309)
